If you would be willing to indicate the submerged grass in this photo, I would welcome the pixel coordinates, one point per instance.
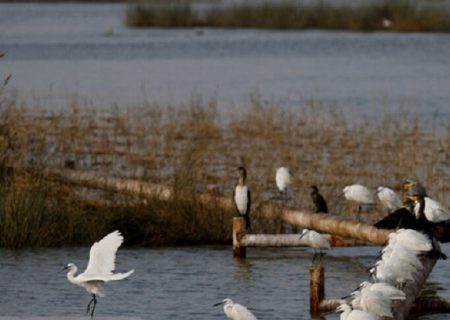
(193, 148)
(393, 15)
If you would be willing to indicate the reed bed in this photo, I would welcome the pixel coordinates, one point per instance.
(389, 15)
(195, 149)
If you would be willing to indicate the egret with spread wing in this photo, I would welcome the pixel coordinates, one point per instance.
(99, 269)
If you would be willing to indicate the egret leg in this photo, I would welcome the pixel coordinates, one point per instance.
(358, 214)
(314, 257)
(93, 307)
(93, 300)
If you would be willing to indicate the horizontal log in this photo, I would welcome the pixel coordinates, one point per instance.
(291, 240)
(325, 223)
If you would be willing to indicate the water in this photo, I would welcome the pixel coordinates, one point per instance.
(184, 283)
(56, 51)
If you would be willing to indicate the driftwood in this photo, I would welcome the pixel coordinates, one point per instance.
(292, 240)
(325, 223)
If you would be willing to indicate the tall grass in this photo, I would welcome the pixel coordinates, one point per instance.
(394, 15)
(193, 148)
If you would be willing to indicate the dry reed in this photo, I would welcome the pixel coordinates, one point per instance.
(193, 148)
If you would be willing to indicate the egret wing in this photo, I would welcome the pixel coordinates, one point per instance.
(103, 255)
(242, 313)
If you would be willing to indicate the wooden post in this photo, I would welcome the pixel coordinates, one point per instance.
(316, 288)
(239, 251)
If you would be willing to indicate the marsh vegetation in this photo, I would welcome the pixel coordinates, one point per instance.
(396, 15)
(194, 149)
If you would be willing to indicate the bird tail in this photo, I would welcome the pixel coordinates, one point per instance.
(120, 276)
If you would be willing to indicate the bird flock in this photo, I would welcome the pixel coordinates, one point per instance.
(419, 222)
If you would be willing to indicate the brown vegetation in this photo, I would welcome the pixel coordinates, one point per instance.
(390, 15)
(192, 148)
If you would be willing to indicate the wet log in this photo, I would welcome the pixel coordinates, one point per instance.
(292, 240)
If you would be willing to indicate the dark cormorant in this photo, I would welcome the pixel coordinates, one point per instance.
(318, 200)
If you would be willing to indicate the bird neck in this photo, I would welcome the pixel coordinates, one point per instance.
(421, 211)
(227, 309)
(71, 274)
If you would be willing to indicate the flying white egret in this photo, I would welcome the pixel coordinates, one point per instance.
(318, 200)
(242, 197)
(359, 194)
(349, 314)
(235, 311)
(389, 198)
(283, 179)
(316, 241)
(99, 269)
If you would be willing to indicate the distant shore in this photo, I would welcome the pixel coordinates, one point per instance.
(393, 15)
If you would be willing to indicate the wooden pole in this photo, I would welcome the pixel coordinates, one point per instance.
(316, 288)
(239, 250)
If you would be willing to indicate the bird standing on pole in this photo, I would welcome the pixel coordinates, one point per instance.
(242, 197)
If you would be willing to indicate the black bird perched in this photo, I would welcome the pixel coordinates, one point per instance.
(318, 200)
(242, 197)
(402, 218)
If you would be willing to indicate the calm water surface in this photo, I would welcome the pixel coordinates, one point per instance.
(184, 283)
(55, 51)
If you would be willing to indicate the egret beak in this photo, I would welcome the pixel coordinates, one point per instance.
(65, 268)
(217, 304)
(302, 235)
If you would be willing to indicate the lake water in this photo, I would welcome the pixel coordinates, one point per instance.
(55, 51)
(184, 283)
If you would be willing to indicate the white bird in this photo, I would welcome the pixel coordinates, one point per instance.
(349, 314)
(434, 211)
(242, 197)
(99, 269)
(359, 194)
(316, 241)
(389, 198)
(235, 311)
(377, 298)
(283, 180)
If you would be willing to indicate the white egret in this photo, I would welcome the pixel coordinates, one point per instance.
(283, 179)
(318, 200)
(316, 241)
(242, 197)
(235, 311)
(349, 314)
(389, 198)
(433, 210)
(385, 290)
(359, 194)
(99, 269)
